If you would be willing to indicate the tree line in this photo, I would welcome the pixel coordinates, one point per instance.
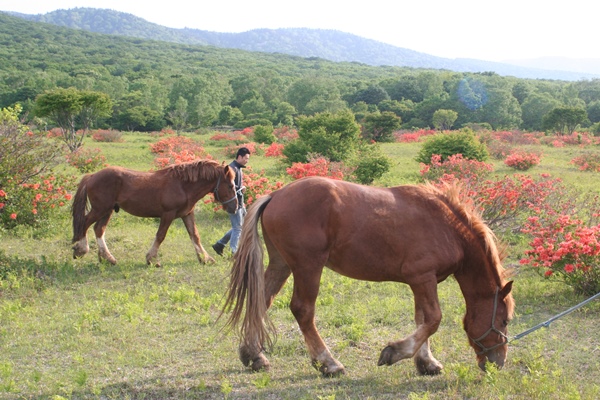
(152, 84)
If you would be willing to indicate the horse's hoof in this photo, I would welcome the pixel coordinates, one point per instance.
(261, 364)
(111, 260)
(388, 356)
(332, 371)
(79, 252)
(156, 264)
(259, 361)
(428, 368)
(209, 260)
(245, 356)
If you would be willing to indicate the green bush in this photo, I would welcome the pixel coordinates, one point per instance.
(334, 136)
(447, 144)
(372, 164)
(264, 134)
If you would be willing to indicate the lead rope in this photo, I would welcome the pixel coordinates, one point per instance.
(547, 323)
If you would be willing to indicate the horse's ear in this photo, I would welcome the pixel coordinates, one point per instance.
(506, 289)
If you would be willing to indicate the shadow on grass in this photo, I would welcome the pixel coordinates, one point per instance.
(233, 384)
(38, 273)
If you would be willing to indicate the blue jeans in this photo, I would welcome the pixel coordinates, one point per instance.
(233, 235)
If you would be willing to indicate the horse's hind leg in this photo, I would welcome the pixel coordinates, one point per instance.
(425, 362)
(81, 246)
(276, 275)
(190, 225)
(306, 289)
(99, 230)
(427, 318)
(163, 227)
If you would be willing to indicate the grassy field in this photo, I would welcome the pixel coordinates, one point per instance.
(83, 330)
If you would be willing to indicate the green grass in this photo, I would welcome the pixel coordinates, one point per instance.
(83, 330)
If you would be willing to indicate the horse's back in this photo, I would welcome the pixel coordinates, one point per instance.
(361, 231)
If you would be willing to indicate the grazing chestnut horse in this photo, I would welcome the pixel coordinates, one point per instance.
(167, 194)
(417, 235)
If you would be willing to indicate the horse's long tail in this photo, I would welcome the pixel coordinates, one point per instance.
(247, 283)
(79, 209)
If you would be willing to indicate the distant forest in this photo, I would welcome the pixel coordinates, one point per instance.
(154, 84)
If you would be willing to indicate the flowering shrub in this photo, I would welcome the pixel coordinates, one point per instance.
(319, 166)
(516, 137)
(578, 138)
(174, 144)
(274, 150)
(581, 139)
(177, 150)
(454, 167)
(104, 135)
(257, 185)
(566, 249)
(407, 137)
(54, 133)
(87, 160)
(588, 162)
(167, 132)
(521, 160)
(284, 134)
(35, 202)
(234, 136)
(499, 150)
(180, 157)
(504, 203)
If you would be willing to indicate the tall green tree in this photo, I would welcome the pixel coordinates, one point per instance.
(565, 119)
(535, 106)
(374, 94)
(501, 109)
(380, 127)
(178, 115)
(593, 111)
(444, 119)
(72, 109)
(313, 94)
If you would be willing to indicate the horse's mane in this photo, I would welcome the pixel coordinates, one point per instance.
(465, 211)
(193, 171)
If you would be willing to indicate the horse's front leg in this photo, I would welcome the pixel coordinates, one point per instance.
(163, 227)
(190, 225)
(427, 317)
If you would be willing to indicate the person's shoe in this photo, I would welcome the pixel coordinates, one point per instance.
(218, 248)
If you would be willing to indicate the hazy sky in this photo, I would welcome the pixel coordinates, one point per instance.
(484, 30)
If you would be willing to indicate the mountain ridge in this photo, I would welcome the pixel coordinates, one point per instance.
(327, 44)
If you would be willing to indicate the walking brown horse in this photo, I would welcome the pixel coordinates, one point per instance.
(417, 235)
(167, 194)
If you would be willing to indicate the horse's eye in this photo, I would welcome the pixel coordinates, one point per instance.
(505, 322)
